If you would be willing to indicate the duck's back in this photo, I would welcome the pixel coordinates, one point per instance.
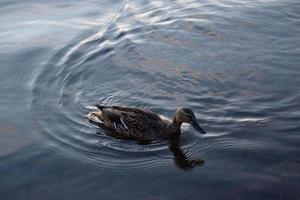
(134, 123)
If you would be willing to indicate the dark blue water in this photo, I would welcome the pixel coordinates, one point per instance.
(235, 63)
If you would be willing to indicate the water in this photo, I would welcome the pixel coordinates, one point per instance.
(235, 63)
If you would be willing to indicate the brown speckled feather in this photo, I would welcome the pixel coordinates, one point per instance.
(135, 123)
(141, 124)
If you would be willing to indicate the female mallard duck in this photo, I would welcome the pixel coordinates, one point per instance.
(141, 124)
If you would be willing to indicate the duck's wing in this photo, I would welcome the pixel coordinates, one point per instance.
(113, 117)
(117, 111)
(126, 119)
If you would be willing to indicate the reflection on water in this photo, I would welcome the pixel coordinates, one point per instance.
(234, 63)
(181, 159)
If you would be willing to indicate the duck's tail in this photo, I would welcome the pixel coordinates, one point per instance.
(94, 117)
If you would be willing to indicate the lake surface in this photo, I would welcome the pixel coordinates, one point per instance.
(235, 63)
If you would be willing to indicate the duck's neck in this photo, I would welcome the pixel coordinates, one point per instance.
(176, 124)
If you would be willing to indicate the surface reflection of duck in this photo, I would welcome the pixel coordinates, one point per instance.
(180, 158)
(141, 124)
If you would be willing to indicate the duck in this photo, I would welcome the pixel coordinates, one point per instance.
(142, 124)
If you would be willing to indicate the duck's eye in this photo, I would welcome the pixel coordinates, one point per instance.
(189, 116)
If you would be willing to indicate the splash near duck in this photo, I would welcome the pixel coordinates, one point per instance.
(142, 124)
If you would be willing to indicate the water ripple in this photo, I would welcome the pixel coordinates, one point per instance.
(153, 54)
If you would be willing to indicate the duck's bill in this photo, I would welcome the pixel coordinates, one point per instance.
(198, 128)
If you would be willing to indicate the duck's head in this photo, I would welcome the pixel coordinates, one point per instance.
(186, 115)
